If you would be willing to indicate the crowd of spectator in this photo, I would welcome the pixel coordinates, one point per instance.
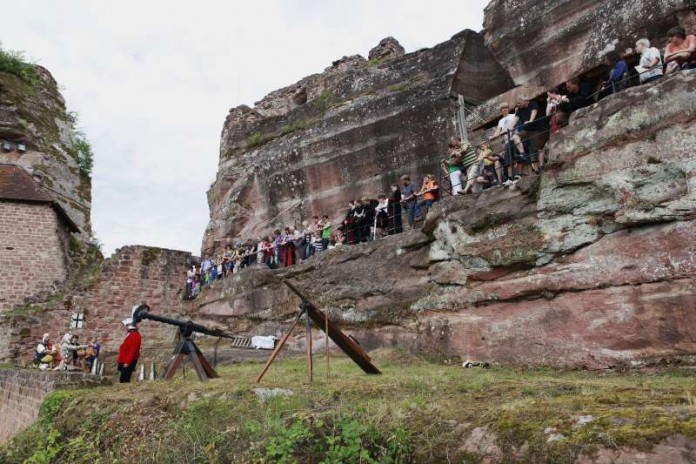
(522, 132)
(515, 149)
(366, 219)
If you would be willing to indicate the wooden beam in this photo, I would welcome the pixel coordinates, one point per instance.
(347, 344)
(277, 349)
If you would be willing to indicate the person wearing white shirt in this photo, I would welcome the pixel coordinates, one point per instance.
(507, 125)
(650, 67)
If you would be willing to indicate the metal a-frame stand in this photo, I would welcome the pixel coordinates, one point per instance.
(343, 341)
(187, 347)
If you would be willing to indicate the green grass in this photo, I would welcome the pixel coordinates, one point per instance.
(302, 124)
(414, 412)
(256, 139)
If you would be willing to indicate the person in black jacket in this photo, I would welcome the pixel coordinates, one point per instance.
(579, 96)
(359, 212)
(370, 214)
(394, 211)
(349, 224)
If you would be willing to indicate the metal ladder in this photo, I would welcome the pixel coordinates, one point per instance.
(241, 342)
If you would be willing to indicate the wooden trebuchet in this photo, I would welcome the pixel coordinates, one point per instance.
(343, 341)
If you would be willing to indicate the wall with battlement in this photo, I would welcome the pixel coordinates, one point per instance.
(23, 391)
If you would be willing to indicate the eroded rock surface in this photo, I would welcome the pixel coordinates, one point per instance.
(387, 49)
(545, 42)
(34, 114)
(591, 264)
(353, 130)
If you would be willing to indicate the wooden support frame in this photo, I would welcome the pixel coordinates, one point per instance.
(201, 365)
(313, 314)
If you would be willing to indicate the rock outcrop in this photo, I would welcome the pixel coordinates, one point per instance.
(591, 264)
(545, 42)
(33, 114)
(332, 137)
(387, 49)
(588, 265)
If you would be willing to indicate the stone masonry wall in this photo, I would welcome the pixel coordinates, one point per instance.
(132, 275)
(23, 391)
(32, 253)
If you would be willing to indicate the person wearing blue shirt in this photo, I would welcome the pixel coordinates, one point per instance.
(617, 75)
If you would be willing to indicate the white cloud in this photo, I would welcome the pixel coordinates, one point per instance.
(152, 83)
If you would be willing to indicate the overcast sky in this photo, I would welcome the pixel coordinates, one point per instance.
(152, 82)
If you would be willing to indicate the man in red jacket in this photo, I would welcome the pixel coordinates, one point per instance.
(129, 351)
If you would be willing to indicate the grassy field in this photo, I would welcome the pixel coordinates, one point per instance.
(414, 412)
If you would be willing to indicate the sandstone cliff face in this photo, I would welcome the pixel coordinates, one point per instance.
(34, 114)
(545, 42)
(354, 129)
(592, 264)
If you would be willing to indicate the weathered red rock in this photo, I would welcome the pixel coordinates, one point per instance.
(590, 265)
(311, 147)
(545, 42)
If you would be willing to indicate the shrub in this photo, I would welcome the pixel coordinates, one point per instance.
(14, 63)
(256, 139)
(325, 100)
(85, 156)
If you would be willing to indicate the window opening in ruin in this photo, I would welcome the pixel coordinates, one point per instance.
(77, 320)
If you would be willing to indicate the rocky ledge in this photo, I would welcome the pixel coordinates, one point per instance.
(591, 264)
(353, 130)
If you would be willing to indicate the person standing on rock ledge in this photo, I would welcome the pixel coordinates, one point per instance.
(129, 351)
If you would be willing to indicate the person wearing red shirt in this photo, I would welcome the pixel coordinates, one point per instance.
(129, 351)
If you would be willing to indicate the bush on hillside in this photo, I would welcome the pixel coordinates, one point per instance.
(14, 63)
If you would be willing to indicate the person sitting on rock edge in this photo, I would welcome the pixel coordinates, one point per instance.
(529, 132)
(95, 349)
(45, 352)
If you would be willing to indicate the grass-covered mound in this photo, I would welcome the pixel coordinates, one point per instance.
(415, 412)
